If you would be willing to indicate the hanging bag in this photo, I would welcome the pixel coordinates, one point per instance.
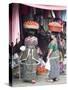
(47, 66)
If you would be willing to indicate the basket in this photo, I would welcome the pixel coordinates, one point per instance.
(41, 70)
(55, 27)
(31, 25)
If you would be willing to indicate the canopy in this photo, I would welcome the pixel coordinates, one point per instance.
(48, 7)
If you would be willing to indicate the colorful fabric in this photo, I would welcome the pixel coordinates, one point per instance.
(54, 61)
(53, 46)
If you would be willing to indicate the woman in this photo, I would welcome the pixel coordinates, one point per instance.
(30, 58)
(53, 56)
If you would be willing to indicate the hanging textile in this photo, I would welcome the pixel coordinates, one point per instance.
(15, 24)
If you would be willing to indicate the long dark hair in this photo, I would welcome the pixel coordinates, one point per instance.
(31, 32)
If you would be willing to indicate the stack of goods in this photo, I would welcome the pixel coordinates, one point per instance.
(55, 27)
(31, 24)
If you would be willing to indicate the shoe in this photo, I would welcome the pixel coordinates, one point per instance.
(50, 80)
(54, 79)
(33, 81)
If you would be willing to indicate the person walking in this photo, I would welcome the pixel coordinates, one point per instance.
(30, 58)
(53, 56)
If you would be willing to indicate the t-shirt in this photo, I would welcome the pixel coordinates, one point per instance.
(53, 46)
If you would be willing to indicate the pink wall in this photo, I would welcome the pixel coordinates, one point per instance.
(15, 24)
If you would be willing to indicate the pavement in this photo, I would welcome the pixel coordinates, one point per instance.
(41, 80)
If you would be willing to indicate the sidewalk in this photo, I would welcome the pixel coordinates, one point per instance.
(41, 80)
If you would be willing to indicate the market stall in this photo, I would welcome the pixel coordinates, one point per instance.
(40, 19)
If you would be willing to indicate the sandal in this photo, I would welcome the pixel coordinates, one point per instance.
(33, 81)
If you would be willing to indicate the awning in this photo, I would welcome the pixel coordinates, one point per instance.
(48, 7)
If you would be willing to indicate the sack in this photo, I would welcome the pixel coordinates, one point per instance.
(47, 66)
